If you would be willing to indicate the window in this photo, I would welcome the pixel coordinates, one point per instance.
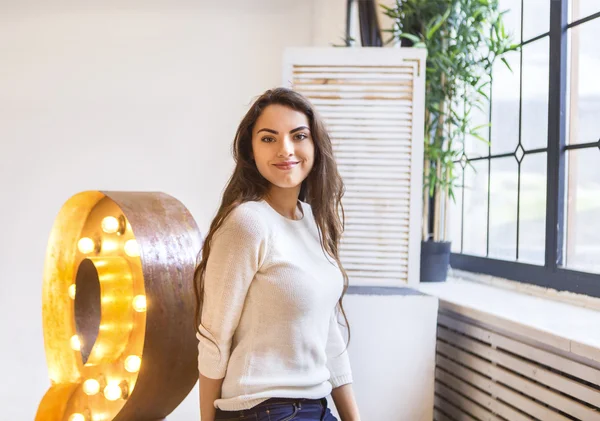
(529, 209)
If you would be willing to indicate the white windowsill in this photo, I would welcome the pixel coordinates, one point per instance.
(569, 322)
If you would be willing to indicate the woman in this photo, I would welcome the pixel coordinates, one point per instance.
(270, 282)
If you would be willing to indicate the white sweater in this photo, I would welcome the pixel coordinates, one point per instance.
(270, 305)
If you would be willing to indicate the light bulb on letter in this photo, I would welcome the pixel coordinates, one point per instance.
(75, 343)
(110, 225)
(86, 245)
(77, 417)
(131, 248)
(113, 391)
(133, 363)
(72, 290)
(139, 303)
(91, 387)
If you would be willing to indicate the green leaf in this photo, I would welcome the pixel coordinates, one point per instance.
(439, 23)
(410, 37)
(506, 63)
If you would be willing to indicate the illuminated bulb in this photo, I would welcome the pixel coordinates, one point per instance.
(139, 303)
(76, 417)
(75, 343)
(133, 363)
(86, 245)
(91, 387)
(113, 391)
(72, 290)
(110, 225)
(131, 248)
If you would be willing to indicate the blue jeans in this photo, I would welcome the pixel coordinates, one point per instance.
(281, 409)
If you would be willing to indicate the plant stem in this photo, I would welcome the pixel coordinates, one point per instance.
(438, 199)
(446, 203)
(427, 166)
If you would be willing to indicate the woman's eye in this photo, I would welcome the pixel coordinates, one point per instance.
(268, 139)
(301, 136)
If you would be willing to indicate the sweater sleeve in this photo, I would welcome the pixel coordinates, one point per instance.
(338, 362)
(238, 249)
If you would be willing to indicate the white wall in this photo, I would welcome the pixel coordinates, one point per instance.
(117, 95)
(392, 352)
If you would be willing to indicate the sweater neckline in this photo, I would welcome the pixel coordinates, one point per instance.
(293, 221)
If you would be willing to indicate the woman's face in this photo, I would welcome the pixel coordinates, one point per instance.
(282, 146)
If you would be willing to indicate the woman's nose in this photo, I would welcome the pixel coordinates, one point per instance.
(286, 147)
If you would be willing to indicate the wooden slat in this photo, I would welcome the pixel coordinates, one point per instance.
(353, 69)
(440, 416)
(498, 390)
(376, 220)
(376, 248)
(365, 126)
(400, 275)
(376, 228)
(368, 149)
(453, 411)
(360, 96)
(483, 399)
(396, 189)
(403, 143)
(525, 368)
(401, 205)
(379, 235)
(316, 85)
(399, 185)
(364, 265)
(399, 133)
(568, 366)
(398, 242)
(465, 404)
(375, 77)
(527, 387)
(359, 102)
(360, 84)
(379, 254)
(362, 110)
(396, 197)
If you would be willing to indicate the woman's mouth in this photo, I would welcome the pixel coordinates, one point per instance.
(287, 165)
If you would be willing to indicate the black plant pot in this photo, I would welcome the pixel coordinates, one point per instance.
(435, 260)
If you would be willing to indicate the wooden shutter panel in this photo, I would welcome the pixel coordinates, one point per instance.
(372, 100)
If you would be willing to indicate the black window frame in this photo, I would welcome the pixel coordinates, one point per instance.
(552, 274)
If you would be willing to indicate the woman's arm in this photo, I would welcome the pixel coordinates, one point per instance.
(343, 397)
(210, 391)
(237, 252)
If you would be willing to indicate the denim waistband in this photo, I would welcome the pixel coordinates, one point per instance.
(297, 402)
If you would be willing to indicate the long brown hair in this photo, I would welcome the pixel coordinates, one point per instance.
(322, 189)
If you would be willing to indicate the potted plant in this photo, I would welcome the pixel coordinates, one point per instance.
(463, 39)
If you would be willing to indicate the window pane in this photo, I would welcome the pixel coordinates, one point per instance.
(512, 19)
(536, 18)
(505, 105)
(583, 223)
(455, 214)
(532, 209)
(584, 106)
(583, 8)
(534, 114)
(475, 147)
(476, 186)
(503, 208)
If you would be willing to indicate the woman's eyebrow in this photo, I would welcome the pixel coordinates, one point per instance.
(267, 130)
(297, 129)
